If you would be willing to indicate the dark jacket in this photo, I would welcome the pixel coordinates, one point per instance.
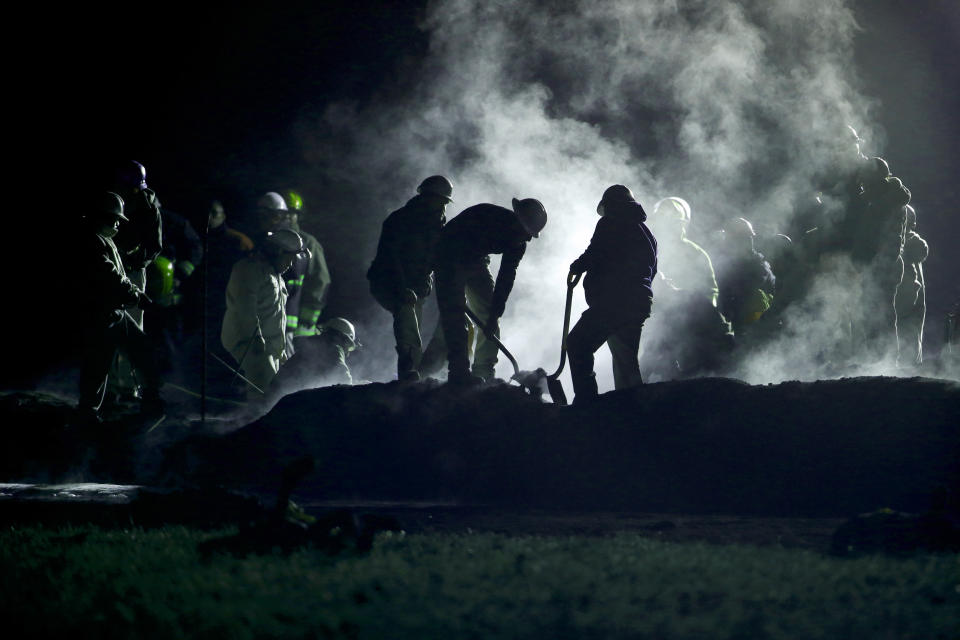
(469, 239)
(405, 253)
(746, 284)
(140, 238)
(181, 243)
(620, 262)
(109, 289)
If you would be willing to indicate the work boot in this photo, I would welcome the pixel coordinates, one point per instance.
(464, 379)
(484, 373)
(406, 365)
(409, 376)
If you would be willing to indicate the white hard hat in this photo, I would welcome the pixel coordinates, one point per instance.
(674, 208)
(344, 327)
(271, 201)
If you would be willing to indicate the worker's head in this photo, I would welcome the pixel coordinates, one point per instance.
(437, 191)
(216, 216)
(532, 215)
(281, 247)
(739, 233)
(613, 196)
(670, 218)
(106, 213)
(342, 332)
(130, 177)
(272, 212)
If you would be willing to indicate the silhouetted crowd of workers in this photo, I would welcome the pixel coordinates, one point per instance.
(657, 298)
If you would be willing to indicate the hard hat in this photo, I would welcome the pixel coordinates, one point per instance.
(159, 283)
(673, 208)
(110, 206)
(436, 186)
(271, 201)
(294, 200)
(881, 168)
(532, 214)
(344, 327)
(856, 136)
(283, 241)
(617, 193)
(742, 226)
(131, 175)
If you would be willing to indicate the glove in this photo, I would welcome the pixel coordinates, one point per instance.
(576, 267)
(408, 296)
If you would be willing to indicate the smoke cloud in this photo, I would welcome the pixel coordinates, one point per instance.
(739, 107)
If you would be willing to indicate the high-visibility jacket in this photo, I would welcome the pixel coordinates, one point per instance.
(308, 285)
(256, 300)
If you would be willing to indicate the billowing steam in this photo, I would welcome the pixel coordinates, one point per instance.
(740, 107)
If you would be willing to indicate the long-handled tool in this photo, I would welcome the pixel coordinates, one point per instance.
(553, 383)
(236, 372)
(532, 381)
(516, 368)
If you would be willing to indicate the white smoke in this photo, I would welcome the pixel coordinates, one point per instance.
(740, 107)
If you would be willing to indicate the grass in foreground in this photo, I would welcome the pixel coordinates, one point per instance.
(155, 584)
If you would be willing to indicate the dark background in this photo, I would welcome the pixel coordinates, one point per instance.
(206, 96)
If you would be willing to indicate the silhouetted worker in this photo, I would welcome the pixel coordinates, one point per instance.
(620, 264)
(744, 277)
(690, 336)
(308, 279)
(169, 278)
(139, 241)
(183, 251)
(876, 252)
(225, 246)
(106, 322)
(911, 302)
(462, 267)
(255, 319)
(401, 275)
(140, 238)
(321, 359)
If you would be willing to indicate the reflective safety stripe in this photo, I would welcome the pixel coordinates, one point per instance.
(296, 282)
(292, 322)
(310, 316)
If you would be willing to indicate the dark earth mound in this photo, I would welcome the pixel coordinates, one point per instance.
(707, 446)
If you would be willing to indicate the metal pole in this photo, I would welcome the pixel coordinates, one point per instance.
(203, 324)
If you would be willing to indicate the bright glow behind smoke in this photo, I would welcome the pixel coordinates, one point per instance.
(736, 106)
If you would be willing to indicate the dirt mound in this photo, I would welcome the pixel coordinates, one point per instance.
(821, 449)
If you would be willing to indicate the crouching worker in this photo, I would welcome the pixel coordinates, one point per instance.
(620, 263)
(401, 273)
(107, 323)
(320, 360)
(255, 319)
(462, 269)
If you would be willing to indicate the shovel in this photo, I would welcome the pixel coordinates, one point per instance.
(553, 383)
(529, 380)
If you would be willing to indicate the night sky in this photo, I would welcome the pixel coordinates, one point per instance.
(207, 96)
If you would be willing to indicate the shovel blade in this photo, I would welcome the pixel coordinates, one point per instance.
(555, 388)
